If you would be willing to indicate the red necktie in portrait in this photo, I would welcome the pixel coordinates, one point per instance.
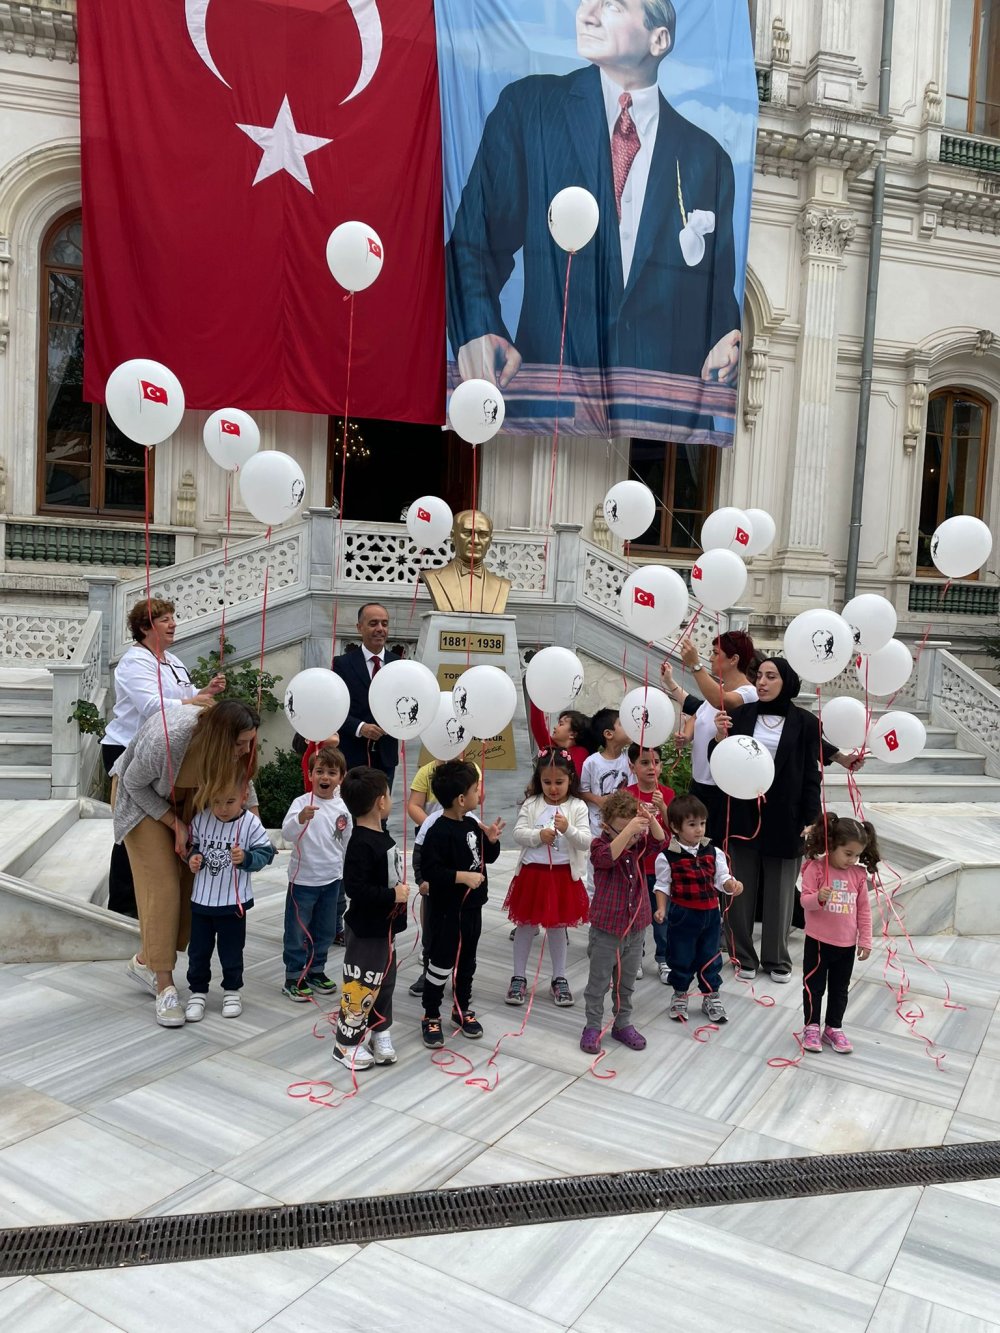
(624, 146)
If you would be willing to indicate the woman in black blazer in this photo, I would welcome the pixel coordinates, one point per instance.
(765, 844)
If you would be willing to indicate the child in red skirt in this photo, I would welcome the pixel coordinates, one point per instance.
(549, 885)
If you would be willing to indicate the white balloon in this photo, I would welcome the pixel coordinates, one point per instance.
(272, 487)
(429, 522)
(317, 703)
(573, 218)
(647, 715)
(145, 401)
(718, 579)
(845, 722)
(818, 645)
(554, 678)
(629, 509)
(764, 532)
(742, 767)
(485, 699)
(653, 601)
(886, 671)
(897, 737)
(961, 545)
(354, 255)
(231, 438)
(872, 619)
(404, 698)
(476, 411)
(727, 529)
(446, 737)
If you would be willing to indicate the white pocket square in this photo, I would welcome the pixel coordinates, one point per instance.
(700, 224)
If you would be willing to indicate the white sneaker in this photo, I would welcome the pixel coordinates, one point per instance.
(664, 971)
(169, 1013)
(141, 974)
(382, 1048)
(356, 1057)
(194, 1011)
(782, 978)
(232, 1004)
(638, 973)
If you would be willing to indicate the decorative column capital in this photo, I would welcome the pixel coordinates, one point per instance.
(825, 232)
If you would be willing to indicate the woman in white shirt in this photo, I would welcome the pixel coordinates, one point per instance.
(724, 684)
(146, 672)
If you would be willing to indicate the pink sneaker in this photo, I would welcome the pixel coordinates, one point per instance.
(811, 1038)
(836, 1038)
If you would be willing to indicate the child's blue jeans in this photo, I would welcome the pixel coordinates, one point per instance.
(312, 913)
(693, 949)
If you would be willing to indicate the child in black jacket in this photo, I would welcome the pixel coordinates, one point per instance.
(456, 852)
(377, 911)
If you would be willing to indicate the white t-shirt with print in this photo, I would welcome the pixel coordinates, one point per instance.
(602, 777)
(704, 732)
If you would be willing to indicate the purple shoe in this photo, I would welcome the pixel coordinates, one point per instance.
(629, 1037)
(590, 1041)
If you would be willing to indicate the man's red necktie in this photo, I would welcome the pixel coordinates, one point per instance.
(624, 146)
(376, 665)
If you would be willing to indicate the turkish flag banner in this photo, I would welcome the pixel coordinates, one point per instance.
(891, 740)
(153, 392)
(222, 142)
(644, 598)
(229, 427)
(423, 515)
(742, 536)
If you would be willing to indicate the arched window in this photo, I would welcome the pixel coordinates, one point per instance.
(973, 92)
(955, 448)
(85, 464)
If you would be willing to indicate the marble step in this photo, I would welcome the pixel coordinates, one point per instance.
(932, 761)
(29, 828)
(25, 747)
(17, 685)
(26, 713)
(905, 786)
(25, 782)
(76, 867)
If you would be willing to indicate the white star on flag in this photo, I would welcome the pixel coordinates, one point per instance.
(284, 148)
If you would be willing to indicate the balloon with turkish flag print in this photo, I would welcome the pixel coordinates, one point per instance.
(354, 255)
(231, 438)
(429, 522)
(145, 401)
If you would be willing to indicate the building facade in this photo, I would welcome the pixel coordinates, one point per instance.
(71, 493)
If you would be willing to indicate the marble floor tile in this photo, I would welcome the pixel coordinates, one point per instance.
(949, 1255)
(707, 1279)
(991, 1042)
(981, 1098)
(209, 1112)
(368, 1294)
(857, 1234)
(29, 1306)
(353, 1151)
(494, 1166)
(744, 1146)
(24, 1112)
(237, 1295)
(838, 1117)
(210, 1193)
(62, 1175)
(552, 1271)
(973, 1129)
(896, 1311)
(873, 1007)
(590, 1128)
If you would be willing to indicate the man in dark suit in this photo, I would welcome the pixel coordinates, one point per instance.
(654, 289)
(362, 740)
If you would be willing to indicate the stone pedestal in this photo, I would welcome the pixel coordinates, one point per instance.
(452, 641)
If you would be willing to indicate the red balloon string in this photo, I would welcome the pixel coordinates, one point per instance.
(555, 428)
(482, 1082)
(225, 570)
(343, 475)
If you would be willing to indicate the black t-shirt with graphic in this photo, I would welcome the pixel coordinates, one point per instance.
(372, 869)
(454, 845)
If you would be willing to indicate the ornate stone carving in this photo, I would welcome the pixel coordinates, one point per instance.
(916, 401)
(904, 554)
(47, 29)
(187, 501)
(972, 703)
(600, 532)
(781, 43)
(5, 263)
(756, 381)
(3, 487)
(985, 342)
(826, 232)
(933, 105)
(386, 558)
(38, 636)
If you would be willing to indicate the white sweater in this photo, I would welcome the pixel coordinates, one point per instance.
(318, 854)
(578, 835)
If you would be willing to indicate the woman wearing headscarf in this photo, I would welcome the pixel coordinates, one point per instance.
(765, 838)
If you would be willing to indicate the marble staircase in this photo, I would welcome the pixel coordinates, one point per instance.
(25, 734)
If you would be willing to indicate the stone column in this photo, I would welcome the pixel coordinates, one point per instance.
(807, 570)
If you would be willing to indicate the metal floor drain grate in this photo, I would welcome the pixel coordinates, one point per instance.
(71, 1247)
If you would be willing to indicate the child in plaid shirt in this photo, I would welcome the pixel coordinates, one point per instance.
(619, 916)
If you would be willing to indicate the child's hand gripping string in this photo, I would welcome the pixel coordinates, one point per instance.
(195, 862)
(493, 831)
(237, 856)
(733, 887)
(825, 894)
(402, 893)
(306, 813)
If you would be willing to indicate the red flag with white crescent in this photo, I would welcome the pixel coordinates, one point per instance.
(222, 142)
(229, 427)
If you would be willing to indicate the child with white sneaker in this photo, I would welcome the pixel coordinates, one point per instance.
(842, 853)
(377, 912)
(227, 844)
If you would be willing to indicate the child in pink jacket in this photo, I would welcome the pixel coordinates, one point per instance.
(842, 853)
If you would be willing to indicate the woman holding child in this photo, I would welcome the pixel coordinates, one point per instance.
(175, 766)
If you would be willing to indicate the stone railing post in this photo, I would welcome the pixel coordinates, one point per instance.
(101, 598)
(565, 552)
(65, 732)
(322, 537)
